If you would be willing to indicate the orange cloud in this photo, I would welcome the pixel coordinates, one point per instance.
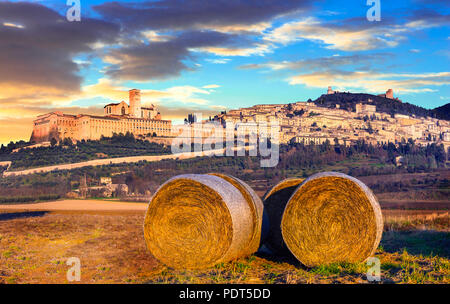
(15, 129)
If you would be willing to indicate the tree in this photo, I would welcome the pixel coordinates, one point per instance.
(67, 141)
(299, 112)
(336, 141)
(370, 129)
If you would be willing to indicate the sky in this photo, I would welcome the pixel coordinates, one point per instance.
(209, 56)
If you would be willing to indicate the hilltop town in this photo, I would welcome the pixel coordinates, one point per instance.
(310, 122)
(337, 117)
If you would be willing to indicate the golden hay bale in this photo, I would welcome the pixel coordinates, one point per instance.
(196, 221)
(332, 217)
(256, 207)
(275, 201)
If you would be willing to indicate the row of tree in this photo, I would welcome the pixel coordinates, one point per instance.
(65, 151)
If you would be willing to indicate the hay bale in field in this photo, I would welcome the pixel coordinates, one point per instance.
(275, 201)
(197, 221)
(256, 207)
(332, 217)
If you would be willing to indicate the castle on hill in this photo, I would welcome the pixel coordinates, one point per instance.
(389, 94)
(118, 118)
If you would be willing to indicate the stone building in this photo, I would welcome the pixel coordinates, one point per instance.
(330, 91)
(365, 109)
(118, 118)
(390, 95)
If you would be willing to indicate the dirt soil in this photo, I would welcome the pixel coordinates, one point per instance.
(78, 205)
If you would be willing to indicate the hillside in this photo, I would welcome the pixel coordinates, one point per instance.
(118, 145)
(442, 112)
(349, 100)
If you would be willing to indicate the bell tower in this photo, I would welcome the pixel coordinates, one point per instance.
(135, 103)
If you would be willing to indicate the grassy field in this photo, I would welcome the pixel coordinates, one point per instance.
(34, 248)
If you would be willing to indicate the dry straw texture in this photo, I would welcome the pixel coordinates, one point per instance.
(256, 207)
(275, 201)
(197, 221)
(332, 217)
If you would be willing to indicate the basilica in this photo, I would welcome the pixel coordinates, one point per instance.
(118, 118)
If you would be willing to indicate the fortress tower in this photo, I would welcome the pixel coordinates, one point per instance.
(135, 103)
(390, 94)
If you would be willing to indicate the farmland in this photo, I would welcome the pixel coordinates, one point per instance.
(37, 238)
(35, 246)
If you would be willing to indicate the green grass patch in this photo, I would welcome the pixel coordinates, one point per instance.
(340, 268)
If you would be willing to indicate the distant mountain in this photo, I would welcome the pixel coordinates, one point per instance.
(442, 112)
(349, 100)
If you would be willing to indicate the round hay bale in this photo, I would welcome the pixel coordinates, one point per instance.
(332, 217)
(256, 207)
(275, 201)
(197, 221)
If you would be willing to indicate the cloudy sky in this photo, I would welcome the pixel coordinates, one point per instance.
(207, 56)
